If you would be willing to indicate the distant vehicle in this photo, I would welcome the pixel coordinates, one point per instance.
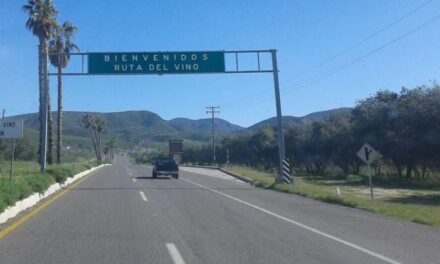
(166, 166)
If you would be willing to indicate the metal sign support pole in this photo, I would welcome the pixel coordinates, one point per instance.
(12, 161)
(281, 148)
(371, 182)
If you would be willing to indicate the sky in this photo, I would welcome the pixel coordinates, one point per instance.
(330, 54)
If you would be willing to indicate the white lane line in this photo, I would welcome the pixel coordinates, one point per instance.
(143, 196)
(314, 230)
(133, 179)
(174, 252)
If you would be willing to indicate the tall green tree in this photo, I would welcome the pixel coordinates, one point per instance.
(41, 22)
(60, 48)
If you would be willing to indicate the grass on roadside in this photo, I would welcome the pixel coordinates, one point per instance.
(26, 179)
(411, 210)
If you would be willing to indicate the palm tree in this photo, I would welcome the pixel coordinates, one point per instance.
(89, 124)
(100, 125)
(41, 22)
(109, 150)
(60, 48)
(112, 148)
(106, 150)
(96, 127)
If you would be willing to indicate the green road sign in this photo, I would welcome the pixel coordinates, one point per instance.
(156, 62)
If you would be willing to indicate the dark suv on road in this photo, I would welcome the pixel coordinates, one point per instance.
(166, 166)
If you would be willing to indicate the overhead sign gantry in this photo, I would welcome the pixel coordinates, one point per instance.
(185, 62)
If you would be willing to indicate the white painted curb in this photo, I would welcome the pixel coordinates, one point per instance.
(33, 199)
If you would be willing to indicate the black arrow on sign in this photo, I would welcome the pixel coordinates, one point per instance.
(367, 153)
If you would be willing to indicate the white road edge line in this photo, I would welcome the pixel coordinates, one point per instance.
(143, 196)
(316, 231)
(174, 253)
(133, 179)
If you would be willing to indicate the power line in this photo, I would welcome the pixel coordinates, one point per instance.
(341, 67)
(262, 94)
(428, 22)
(357, 44)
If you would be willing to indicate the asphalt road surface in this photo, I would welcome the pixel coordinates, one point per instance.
(122, 215)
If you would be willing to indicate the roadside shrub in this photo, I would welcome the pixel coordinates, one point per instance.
(60, 178)
(39, 183)
(354, 178)
(2, 204)
(59, 173)
(336, 200)
(9, 194)
(22, 187)
(25, 184)
(421, 221)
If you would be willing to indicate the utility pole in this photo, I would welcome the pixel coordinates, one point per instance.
(212, 110)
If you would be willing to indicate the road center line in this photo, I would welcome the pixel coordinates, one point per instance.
(174, 252)
(143, 196)
(316, 231)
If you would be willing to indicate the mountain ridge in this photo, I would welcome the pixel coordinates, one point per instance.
(136, 127)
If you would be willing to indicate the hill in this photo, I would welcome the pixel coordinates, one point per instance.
(132, 128)
(145, 128)
(293, 120)
(203, 125)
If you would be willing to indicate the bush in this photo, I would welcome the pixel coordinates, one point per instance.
(22, 187)
(2, 205)
(421, 221)
(354, 178)
(24, 183)
(336, 200)
(39, 183)
(59, 173)
(18, 189)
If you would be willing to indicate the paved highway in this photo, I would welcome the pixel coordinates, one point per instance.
(121, 215)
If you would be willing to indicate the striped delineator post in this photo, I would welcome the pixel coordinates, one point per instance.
(287, 178)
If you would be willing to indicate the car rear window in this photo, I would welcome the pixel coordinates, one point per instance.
(166, 161)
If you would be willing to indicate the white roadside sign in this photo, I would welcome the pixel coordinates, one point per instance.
(368, 154)
(11, 128)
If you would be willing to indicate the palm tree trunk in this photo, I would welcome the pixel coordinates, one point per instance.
(44, 104)
(40, 88)
(98, 150)
(98, 139)
(49, 129)
(94, 144)
(60, 114)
